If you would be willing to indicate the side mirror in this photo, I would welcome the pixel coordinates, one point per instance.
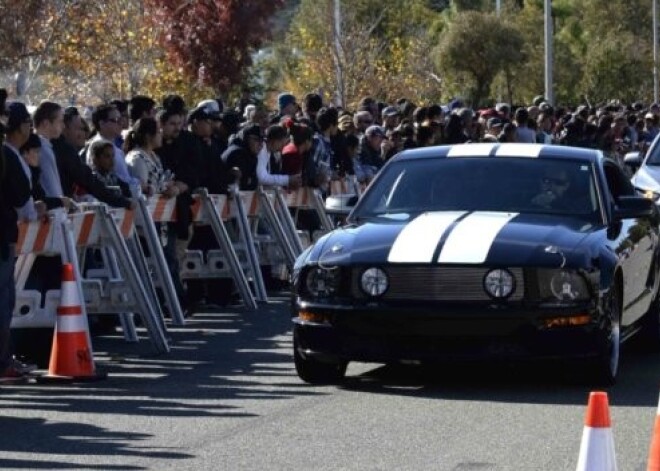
(634, 207)
(633, 160)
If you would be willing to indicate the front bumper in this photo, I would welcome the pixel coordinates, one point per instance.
(437, 333)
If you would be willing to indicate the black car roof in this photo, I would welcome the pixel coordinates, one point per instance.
(501, 151)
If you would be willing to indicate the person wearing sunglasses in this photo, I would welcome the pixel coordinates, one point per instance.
(554, 186)
(106, 120)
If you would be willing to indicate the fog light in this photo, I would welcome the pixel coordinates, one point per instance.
(374, 282)
(580, 319)
(499, 284)
(313, 317)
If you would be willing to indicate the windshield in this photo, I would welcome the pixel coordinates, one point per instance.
(522, 185)
(654, 153)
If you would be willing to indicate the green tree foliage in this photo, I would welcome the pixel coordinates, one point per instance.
(379, 53)
(475, 61)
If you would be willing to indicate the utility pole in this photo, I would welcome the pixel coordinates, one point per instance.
(338, 55)
(498, 7)
(655, 51)
(549, 92)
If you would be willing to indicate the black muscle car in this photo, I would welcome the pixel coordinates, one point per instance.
(495, 250)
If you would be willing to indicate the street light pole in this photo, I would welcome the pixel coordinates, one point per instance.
(549, 92)
(338, 53)
(655, 51)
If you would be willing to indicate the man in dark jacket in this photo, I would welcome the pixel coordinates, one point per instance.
(372, 151)
(74, 173)
(14, 193)
(214, 175)
(242, 154)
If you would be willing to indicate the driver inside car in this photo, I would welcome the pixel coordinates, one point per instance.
(554, 190)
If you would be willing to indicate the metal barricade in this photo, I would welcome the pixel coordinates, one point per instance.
(123, 284)
(155, 261)
(210, 210)
(67, 236)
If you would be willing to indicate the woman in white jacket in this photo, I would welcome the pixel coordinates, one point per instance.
(269, 165)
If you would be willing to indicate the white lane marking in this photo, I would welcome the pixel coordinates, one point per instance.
(417, 242)
(519, 150)
(471, 150)
(472, 238)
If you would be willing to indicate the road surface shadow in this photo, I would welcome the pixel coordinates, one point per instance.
(29, 435)
(559, 382)
(217, 360)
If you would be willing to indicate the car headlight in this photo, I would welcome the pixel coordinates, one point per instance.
(564, 286)
(499, 283)
(322, 282)
(374, 281)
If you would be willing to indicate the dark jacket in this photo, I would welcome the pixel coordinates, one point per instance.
(369, 156)
(238, 155)
(216, 176)
(342, 164)
(74, 173)
(14, 193)
(182, 156)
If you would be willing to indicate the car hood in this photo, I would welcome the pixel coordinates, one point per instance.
(647, 178)
(499, 239)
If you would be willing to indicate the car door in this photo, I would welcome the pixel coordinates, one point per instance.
(637, 248)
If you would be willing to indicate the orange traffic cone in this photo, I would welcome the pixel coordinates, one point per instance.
(71, 356)
(654, 452)
(597, 447)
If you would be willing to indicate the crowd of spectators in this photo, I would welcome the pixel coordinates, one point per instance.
(55, 155)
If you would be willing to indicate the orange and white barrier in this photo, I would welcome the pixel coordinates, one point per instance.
(121, 292)
(213, 211)
(597, 446)
(35, 237)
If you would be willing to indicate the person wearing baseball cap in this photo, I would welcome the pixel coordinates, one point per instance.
(494, 127)
(390, 117)
(373, 149)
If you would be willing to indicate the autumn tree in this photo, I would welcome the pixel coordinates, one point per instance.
(29, 30)
(110, 49)
(473, 60)
(376, 53)
(212, 40)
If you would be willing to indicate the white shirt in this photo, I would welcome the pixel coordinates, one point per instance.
(263, 170)
(50, 176)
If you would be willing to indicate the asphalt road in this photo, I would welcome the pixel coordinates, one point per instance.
(227, 398)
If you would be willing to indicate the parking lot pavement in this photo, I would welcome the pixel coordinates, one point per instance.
(227, 397)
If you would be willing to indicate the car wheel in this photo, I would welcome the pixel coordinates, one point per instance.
(607, 363)
(314, 371)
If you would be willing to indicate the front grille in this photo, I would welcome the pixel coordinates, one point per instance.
(438, 283)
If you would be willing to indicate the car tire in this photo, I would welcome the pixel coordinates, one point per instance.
(606, 365)
(313, 371)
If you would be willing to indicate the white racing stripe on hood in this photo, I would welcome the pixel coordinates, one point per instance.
(519, 150)
(417, 242)
(472, 238)
(482, 149)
